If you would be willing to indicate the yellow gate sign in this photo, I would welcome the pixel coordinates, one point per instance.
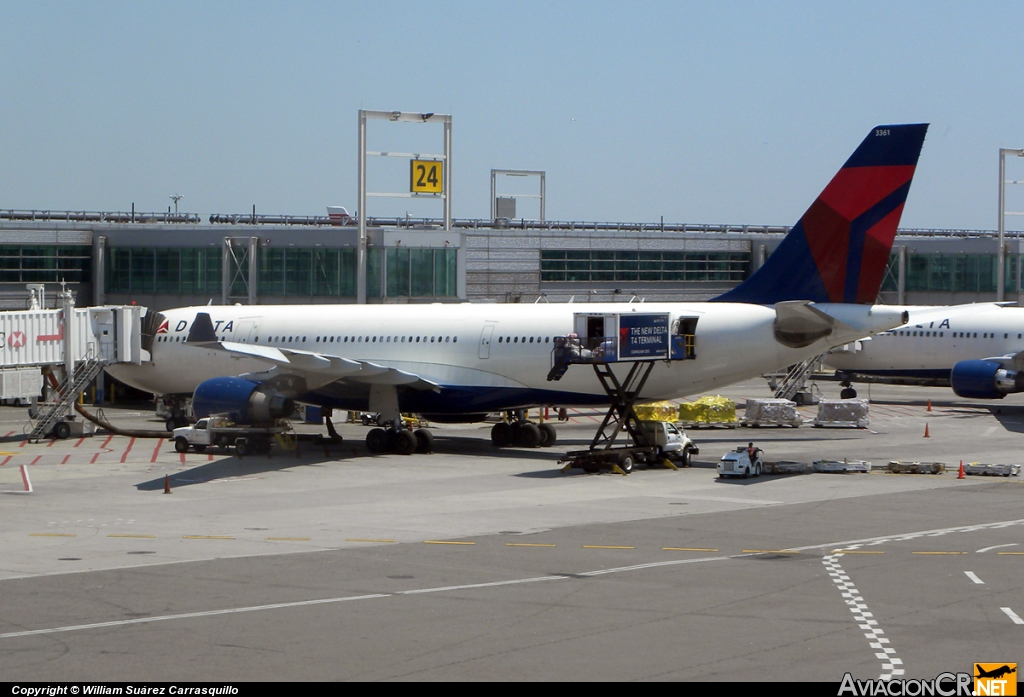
(426, 176)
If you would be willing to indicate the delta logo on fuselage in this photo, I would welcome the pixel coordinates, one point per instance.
(183, 324)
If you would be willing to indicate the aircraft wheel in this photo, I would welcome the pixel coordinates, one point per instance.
(243, 447)
(181, 445)
(501, 435)
(528, 435)
(424, 440)
(848, 393)
(404, 442)
(377, 440)
(626, 463)
(548, 435)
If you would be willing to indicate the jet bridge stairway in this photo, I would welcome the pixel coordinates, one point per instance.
(49, 415)
(794, 382)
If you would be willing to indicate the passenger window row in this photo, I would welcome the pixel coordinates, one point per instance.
(523, 340)
(953, 335)
(340, 339)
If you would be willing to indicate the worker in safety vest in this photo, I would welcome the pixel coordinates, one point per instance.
(752, 452)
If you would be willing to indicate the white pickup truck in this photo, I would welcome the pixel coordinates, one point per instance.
(670, 441)
(218, 431)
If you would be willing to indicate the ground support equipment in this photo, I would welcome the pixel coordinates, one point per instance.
(841, 466)
(897, 467)
(984, 470)
(620, 415)
(786, 467)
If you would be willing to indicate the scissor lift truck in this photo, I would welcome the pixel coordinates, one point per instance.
(639, 339)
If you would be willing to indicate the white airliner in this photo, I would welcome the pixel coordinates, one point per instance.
(460, 362)
(978, 350)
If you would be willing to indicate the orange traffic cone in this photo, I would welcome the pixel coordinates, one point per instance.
(961, 475)
(167, 484)
(929, 405)
(926, 431)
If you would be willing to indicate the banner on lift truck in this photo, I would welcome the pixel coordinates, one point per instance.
(643, 336)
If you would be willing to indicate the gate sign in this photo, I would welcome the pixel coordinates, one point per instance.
(643, 336)
(426, 176)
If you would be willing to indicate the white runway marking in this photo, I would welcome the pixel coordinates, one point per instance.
(971, 575)
(186, 615)
(1012, 615)
(492, 584)
(847, 544)
(865, 620)
(987, 549)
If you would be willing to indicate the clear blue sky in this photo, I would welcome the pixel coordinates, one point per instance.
(717, 112)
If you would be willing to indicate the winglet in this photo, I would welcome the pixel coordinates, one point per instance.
(201, 330)
(839, 249)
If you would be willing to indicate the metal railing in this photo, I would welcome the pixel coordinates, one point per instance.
(438, 223)
(796, 377)
(98, 216)
(49, 413)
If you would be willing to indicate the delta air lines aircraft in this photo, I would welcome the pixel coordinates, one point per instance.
(460, 362)
(977, 349)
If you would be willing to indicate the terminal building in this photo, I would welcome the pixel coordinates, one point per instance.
(170, 260)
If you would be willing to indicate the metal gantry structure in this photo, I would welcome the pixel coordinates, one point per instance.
(518, 173)
(445, 194)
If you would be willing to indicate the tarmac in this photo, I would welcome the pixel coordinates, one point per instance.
(474, 563)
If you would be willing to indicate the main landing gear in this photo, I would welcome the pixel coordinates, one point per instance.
(518, 431)
(396, 436)
(402, 441)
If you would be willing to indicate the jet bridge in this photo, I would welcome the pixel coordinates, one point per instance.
(71, 345)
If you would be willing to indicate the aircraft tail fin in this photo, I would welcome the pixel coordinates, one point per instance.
(839, 249)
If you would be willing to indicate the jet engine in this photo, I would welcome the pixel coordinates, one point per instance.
(242, 401)
(985, 380)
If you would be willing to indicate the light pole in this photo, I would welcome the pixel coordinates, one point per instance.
(176, 198)
(1001, 255)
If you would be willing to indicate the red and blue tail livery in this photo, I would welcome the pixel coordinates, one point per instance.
(839, 249)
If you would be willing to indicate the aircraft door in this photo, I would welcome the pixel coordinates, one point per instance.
(485, 342)
(254, 332)
(684, 338)
(594, 330)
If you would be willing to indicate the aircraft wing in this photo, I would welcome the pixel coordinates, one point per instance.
(1009, 361)
(308, 370)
